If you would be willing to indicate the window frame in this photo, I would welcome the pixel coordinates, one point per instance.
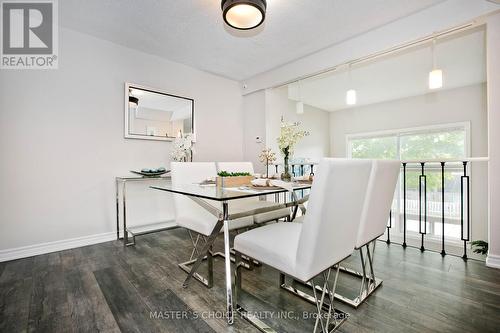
(398, 133)
(409, 131)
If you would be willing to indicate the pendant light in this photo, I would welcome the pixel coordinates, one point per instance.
(299, 106)
(350, 96)
(435, 75)
(244, 14)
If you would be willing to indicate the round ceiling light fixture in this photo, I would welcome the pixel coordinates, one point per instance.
(244, 14)
(133, 101)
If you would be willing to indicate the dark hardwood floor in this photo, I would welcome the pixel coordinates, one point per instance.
(109, 288)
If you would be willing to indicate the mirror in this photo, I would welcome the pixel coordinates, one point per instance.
(154, 115)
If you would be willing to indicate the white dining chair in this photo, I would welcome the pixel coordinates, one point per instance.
(380, 193)
(196, 219)
(309, 250)
(254, 203)
(379, 197)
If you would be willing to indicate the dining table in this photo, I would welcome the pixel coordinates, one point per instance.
(200, 193)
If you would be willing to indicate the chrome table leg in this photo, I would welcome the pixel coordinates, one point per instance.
(229, 291)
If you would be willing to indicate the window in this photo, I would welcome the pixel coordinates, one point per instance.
(420, 144)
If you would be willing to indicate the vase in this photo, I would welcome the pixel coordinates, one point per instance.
(286, 176)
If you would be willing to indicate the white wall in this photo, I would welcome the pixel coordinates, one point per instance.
(493, 72)
(314, 120)
(61, 137)
(254, 125)
(450, 106)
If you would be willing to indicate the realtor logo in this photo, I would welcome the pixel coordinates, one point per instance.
(29, 34)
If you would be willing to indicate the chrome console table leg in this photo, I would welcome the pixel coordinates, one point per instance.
(124, 203)
(117, 188)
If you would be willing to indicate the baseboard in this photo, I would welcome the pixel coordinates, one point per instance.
(43, 248)
(493, 261)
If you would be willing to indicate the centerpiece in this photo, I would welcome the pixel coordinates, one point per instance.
(290, 134)
(233, 179)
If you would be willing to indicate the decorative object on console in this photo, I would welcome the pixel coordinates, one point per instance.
(151, 172)
(290, 134)
(183, 149)
(267, 157)
(233, 179)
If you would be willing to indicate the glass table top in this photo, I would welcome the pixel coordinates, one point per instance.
(213, 192)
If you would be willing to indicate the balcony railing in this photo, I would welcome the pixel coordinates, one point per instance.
(440, 206)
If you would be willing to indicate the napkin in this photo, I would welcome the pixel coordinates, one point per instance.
(260, 182)
(272, 182)
(279, 183)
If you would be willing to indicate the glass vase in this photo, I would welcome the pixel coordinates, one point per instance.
(286, 176)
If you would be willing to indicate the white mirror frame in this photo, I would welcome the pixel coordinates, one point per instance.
(127, 135)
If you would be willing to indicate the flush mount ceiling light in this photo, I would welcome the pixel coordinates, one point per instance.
(133, 101)
(244, 14)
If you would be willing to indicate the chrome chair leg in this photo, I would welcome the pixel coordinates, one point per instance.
(196, 258)
(197, 262)
(325, 311)
(327, 315)
(195, 244)
(369, 283)
(251, 318)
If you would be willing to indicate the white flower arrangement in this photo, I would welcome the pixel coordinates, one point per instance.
(182, 149)
(290, 134)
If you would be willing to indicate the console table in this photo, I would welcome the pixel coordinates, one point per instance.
(136, 230)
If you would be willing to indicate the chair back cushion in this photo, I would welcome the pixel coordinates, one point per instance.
(235, 167)
(381, 187)
(188, 213)
(331, 224)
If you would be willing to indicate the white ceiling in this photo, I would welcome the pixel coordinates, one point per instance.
(192, 31)
(462, 59)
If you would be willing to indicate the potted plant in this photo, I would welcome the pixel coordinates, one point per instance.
(233, 179)
(479, 246)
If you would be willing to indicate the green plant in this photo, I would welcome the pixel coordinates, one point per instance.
(479, 246)
(232, 174)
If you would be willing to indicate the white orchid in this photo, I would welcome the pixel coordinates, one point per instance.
(183, 148)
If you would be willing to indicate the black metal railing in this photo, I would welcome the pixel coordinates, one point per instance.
(465, 218)
(423, 169)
